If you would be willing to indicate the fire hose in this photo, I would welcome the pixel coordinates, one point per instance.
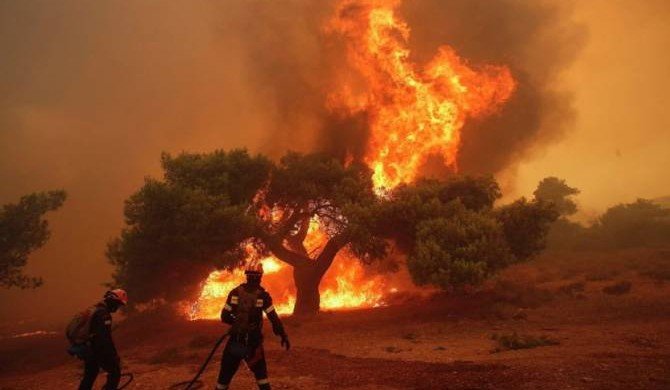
(195, 381)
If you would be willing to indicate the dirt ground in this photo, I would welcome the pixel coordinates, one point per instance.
(599, 340)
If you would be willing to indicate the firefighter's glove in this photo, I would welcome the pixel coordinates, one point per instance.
(284, 342)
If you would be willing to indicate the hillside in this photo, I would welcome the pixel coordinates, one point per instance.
(602, 336)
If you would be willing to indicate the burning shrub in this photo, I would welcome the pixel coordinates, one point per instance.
(213, 210)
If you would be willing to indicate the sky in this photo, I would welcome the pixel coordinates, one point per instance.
(92, 92)
(619, 147)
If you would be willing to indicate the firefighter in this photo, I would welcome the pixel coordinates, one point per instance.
(244, 311)
(102, 353)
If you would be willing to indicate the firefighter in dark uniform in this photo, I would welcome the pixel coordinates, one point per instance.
(102, 353)
(244, 311)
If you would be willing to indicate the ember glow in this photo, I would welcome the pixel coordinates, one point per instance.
(345, 286)
(413, 112)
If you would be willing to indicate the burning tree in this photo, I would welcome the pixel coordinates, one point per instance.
(210, 208)
(213, 210)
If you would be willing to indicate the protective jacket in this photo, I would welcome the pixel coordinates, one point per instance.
(103, 352)
(102, 343)
(244, 311)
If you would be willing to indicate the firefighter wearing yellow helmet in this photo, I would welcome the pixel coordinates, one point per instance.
(244, 310)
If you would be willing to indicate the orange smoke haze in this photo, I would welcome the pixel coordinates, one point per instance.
(92, 92)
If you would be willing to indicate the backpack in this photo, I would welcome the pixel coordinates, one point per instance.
(245, 308)
(78, 331)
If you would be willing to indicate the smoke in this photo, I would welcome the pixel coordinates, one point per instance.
(537, 40)
(92, 92)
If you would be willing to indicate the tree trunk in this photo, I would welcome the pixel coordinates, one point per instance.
(307, 280)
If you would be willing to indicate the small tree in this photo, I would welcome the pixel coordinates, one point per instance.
(556, 191)
(453, 234)
(462, 249)
(23, 229)
(525, 226)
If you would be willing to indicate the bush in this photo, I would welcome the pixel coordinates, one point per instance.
(516, 341)
(525, 225)
(642, 223)
(462, 250)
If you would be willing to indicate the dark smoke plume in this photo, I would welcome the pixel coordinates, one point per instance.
(92, 92)
(537, 40)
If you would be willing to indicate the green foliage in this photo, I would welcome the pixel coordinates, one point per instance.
(181, 229)
(452, 234)
(555, 191)
(410, 204)
(318, 179)
(525, 225)
(23, 229)
(477, 193)
(234, 175)
(514, 341)
(195, 220)
(465, 248)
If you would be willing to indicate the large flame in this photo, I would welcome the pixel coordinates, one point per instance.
(345, 286)
(413, 112)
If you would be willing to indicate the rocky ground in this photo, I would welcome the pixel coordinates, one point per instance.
(585, 328)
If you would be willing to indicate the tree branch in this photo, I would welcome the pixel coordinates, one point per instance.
(333, 246)
(296, 241)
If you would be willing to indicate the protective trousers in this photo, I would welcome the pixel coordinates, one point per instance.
(92, 366)
(254, 357)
